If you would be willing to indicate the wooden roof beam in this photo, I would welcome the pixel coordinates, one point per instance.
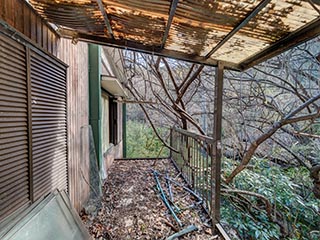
(173, 8)
(239, 26)
(131, 45)
(105, 16)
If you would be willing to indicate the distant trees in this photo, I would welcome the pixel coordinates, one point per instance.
(271, 111)
(169, 84)
(273, 104)
(278, 104)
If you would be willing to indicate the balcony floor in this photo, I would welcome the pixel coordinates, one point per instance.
(132, 207)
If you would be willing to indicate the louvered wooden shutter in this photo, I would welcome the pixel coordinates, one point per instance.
(49, 124)
(14, 170)
(33, 125)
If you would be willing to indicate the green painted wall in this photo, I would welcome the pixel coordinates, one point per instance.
(95, 97)
(124, 129)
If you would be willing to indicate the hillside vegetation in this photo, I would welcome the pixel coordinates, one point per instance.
(270, 134)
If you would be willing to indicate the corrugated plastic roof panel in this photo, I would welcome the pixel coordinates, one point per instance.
(198, 26)
(239, 33)
(141, 21)
(82, 15)
(277, 20)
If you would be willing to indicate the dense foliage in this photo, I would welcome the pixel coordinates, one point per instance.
(288, 190)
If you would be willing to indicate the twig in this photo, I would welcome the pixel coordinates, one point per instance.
(192, 206)
(263, 198)
(188, 229)
(223, 232)
(178, 175)
(170, 225)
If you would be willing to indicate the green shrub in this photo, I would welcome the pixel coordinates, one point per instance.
(289, 191)
(142, 142)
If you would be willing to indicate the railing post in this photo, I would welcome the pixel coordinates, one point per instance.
(216, 147)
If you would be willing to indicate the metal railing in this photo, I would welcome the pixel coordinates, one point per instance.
(194, 159)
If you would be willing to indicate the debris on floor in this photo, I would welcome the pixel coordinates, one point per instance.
(136, 203)
(52, 217)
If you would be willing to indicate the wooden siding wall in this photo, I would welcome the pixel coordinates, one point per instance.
(76, 56)
(19, 15)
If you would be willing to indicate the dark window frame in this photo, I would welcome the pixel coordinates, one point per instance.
(113, 121)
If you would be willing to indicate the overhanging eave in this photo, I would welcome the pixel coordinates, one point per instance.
(113, 86)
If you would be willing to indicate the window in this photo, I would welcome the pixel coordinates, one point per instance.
(113, 121)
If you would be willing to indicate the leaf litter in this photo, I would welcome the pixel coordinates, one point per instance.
(131, 206)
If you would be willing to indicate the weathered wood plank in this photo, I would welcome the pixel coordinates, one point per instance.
(19, 15)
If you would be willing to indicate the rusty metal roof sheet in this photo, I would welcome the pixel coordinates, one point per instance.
(239, 33)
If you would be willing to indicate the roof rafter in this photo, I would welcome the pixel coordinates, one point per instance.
(131, 45)
(173, 8)
(301, 35)
(251, 15)
(314, 6)
(105, 16)
(147, 26)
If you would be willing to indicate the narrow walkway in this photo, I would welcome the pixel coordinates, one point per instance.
(132, 207)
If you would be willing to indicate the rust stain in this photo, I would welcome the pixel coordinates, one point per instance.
(136, 26)
(275, 21)
(279, 18)
(197, 26)
(82, 15)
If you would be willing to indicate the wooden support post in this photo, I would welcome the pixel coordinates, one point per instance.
(216, 148)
